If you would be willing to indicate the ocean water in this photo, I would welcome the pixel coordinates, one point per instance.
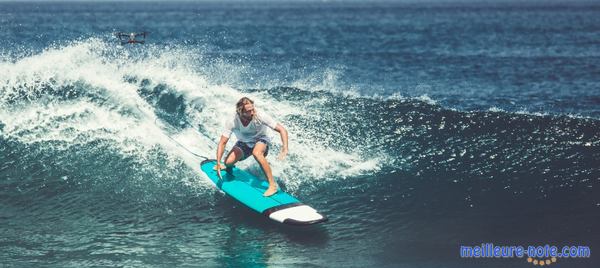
(415, 127)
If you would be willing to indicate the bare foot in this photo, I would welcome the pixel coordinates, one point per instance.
(270, 191)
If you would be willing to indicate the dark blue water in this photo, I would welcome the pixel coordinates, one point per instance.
(416, 128)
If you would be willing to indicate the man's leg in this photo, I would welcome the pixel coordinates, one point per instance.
(233, 157)
(259, 154)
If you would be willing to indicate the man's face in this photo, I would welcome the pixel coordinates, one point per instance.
(248, 110)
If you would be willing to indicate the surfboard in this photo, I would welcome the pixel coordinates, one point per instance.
(248, 190)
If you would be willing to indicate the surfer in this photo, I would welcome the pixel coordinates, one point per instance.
(250, 127)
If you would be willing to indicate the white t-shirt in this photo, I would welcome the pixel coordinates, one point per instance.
(255, 130)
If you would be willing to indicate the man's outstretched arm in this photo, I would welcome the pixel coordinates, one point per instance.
(284, 141)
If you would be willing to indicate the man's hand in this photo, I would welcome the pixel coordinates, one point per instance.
(218, 168)
(220, 149)
(282, 154)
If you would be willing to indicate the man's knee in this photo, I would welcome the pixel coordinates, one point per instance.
(258, 154)
(233, 156)
(230, 162)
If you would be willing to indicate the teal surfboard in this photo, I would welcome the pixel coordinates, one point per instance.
(248, 190)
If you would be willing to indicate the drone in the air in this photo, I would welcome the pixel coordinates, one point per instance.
(131, 38)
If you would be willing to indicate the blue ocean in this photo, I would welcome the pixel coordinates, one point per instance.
(415, 127)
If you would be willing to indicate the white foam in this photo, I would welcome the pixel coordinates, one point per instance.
(328, 81)
(495, 109)
(126, 118)
(426, 99)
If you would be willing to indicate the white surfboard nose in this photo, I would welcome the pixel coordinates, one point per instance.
(297, 215)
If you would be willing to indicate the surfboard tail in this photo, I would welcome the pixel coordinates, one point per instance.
(295, 214)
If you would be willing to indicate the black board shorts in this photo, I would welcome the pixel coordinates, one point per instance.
(247, 150)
